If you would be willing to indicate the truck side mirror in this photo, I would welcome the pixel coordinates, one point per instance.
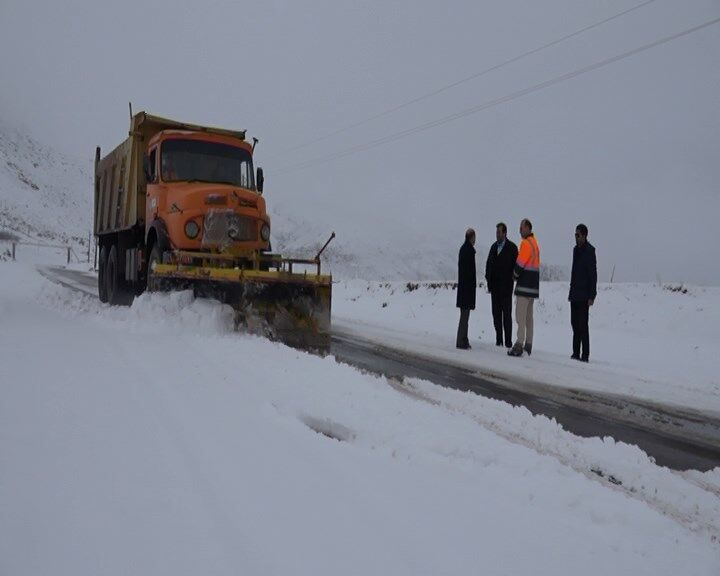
(260, 180)
(146, 169)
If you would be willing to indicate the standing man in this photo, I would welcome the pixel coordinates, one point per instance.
(499, 277)
(467, 285)
(527, 288)
(583, 290)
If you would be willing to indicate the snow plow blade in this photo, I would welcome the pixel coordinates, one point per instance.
(293, 308)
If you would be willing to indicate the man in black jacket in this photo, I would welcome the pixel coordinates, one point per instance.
(467, 286)
(583, 290)
(499, 277)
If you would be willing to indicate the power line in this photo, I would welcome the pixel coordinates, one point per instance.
(495, 102)
(461, 81)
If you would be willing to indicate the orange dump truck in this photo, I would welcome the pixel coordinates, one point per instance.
(180, 206)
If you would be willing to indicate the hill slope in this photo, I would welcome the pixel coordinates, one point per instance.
(44, 194)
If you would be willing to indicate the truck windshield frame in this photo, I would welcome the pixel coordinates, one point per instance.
(191, 160)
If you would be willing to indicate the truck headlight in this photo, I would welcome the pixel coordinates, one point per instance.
(265, 232)
(192, 229)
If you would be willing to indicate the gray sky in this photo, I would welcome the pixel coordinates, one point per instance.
(632, 150)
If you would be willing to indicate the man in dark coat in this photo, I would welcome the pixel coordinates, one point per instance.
(499, 276)
(583, 290)
(467, 286)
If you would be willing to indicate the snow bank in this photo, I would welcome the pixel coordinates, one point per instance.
(150, 312)
(692, 497)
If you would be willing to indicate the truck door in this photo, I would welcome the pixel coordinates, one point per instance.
(153, 196)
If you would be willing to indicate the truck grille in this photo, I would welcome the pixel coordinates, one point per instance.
(222, 227)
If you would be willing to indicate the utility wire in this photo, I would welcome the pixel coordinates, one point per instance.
(495, 102)
(459, 82)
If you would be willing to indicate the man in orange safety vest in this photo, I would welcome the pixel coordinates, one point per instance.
(527, 288)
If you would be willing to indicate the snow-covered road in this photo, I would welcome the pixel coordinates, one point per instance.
(674, 436)
(155, 439)
(654, 343)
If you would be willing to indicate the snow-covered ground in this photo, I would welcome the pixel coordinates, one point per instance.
(656, 343)
(156, 440)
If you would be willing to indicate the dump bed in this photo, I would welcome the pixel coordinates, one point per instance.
(119, 178)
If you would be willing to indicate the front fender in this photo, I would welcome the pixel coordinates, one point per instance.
(159, 228)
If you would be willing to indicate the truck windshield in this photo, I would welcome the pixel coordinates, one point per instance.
(195, 160)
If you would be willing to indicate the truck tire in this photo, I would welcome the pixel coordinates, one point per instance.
(153, 285)
(116, 291)
(102, 264)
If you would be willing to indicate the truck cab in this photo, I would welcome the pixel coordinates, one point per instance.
(203, 194)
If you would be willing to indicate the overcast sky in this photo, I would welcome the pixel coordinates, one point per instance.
(632, 149)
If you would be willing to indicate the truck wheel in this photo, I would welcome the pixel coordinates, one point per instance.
(117, 294)
(102, 264)
(153, 284)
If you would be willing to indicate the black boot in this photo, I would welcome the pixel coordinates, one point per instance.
(463, 345)
(528, 348)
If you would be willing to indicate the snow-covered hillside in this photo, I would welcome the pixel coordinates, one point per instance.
(359, 256)
(154, 439)
(44, 194)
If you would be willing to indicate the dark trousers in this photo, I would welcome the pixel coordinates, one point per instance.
(462, 333)
(502, 317)
(579, 316)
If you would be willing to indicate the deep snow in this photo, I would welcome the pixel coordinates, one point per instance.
(154, 439)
